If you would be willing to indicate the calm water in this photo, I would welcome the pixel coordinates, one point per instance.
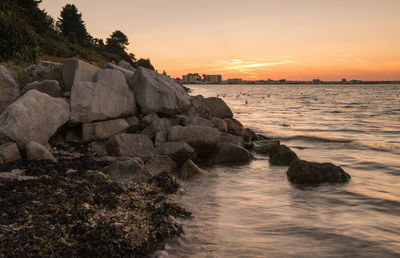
(253, 211)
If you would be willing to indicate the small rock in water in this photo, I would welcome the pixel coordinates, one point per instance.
(304, 172)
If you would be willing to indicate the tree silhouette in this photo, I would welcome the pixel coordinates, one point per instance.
(72, 25)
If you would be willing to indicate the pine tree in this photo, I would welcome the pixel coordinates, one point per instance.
(72, 26)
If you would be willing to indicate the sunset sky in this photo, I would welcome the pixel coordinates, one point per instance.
(254, 39)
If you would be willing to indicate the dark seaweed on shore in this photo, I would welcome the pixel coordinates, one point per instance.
(73, 209)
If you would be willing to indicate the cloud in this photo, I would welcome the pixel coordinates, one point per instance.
(247, 66)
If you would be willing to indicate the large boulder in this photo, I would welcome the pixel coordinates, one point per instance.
(50, 87)
(188, 170)
(159, 164)
(130, 145)
(36, 151)
(304, 172)
(70, 65)
(281, 155)
(208, 107)
(128, 171)
(265, 146)
(202, 138)
(220, 124)
(103, 130)
(178, 151)
(218, 108)
(157, 126)
(156, 93)
(127, 73)
(134, 124)
(234, 126)
(229, 153)
(230, 138)
(9, 152)
(124, 64)
(33, 117)
(107, 97)
(194, 120)
(9, 90)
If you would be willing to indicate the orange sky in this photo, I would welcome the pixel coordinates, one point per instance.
(255, 39)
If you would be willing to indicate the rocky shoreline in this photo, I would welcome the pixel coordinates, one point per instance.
(87, 160)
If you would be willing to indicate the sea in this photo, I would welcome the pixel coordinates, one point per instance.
(252, 210)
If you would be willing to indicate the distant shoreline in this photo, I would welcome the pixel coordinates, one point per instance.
(304, 82)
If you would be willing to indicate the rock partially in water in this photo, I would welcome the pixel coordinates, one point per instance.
(304, 172)
(202, 138)
(218, 108)
(159, 164)
(265, 146)
(188, 170)
(180, 152)
(282, 155)
(229, 153)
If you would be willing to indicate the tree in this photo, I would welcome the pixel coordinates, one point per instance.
(72, 26)
(145, 63)
(117, 41)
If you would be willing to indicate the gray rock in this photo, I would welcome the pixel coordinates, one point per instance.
(229, 153)
(265, 146)
(9, 90)
(35, 151)
(99, 147)
(161, 125)
(188, 170)
(33, 117)
(124, 64)
(108, 97)
(202, 138)
(194, 120)
(134, 124)
(127, 73)
(230, 138)
(197, 107)
(103, 130)
(128, 171)
(177, 151)
(130, 145)
(17, 174)
(148, 120)
(281, 155)
(9, 152)
(160, 138)
(50, 87)
(159, 164)
(220, 124)
(234, 126)
(70, 65)
(156, 93)
(83, 75)
(304, 172)
(218, 108)
(37, 71)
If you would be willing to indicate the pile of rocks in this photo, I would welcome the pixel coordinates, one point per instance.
(143, 121)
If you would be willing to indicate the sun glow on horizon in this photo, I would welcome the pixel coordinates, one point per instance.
(257, 39)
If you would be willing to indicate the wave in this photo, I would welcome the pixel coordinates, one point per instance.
(376, 146)
(316, 139)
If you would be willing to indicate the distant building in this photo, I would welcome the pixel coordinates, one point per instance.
(212, 78)
(191, 78)
(234, 81)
